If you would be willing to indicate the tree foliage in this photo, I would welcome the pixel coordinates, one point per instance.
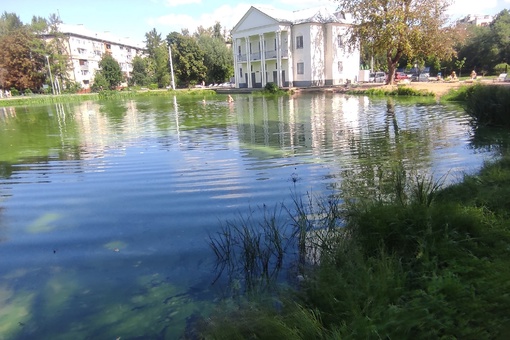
(20, 63)
(218, 58)
(485, 47)
(109, 74)
(187, 58)
(158, 63)
(139, 74)
(413, 28)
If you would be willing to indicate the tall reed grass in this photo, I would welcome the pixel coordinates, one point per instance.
(419, 262)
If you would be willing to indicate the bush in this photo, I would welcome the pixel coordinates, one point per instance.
(153, 86)
(501, 68)
(489, 105)
(271, 88)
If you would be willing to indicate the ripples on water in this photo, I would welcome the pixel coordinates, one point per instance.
(106, 208)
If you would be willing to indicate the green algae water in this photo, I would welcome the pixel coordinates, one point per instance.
(106, 206)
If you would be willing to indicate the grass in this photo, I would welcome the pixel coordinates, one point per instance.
(419, 261)
(399, 91)
(487, 104)
(103, 95)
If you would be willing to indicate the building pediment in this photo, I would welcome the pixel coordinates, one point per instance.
(255, 18)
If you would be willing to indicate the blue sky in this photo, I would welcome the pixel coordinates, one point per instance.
(133, 18)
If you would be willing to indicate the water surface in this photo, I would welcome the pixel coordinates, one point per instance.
(106, 207)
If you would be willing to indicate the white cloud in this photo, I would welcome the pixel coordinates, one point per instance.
(226, 15)
(461, 8)
(175, 3)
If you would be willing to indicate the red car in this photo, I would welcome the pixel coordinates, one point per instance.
(401, 76)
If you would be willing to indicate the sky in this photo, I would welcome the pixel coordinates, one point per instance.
(133, 18)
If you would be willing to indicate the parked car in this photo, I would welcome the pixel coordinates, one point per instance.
(401, 76)
(377, 77)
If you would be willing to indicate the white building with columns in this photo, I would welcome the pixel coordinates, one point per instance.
(293, 49)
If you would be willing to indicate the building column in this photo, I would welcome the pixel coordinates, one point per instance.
(236, 62)
(262, 60)
(279, 57)
(248, 61)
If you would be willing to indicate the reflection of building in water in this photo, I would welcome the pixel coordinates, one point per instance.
(299, 125)
(7, 112)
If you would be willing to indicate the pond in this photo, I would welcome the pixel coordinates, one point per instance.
(106, 207)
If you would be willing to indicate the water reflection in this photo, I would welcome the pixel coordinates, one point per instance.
(107, 205)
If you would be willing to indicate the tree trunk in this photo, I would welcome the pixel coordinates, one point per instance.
(392, 65)
(390, 80)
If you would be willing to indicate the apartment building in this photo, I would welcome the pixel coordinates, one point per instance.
(302, 49)
(86, 48)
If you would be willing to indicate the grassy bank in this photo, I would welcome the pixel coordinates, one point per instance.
(487, 104)
(420, 262)
(103, 95)
(392, 91)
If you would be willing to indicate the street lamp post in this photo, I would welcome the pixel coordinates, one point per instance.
(51, 78)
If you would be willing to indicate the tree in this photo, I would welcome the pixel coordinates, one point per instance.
(56, 48)
(9, 22)
(109, 69)
(158, 63)
(20, 62)
(487, 46)
(414, 28)
(139, 75)
(218, 57)
(187, 58)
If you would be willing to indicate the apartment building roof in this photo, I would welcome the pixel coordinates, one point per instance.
(82, 31)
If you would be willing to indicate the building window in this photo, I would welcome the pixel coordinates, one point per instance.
(339, 41)
(108, 46)
(300, 68)
(81, 50)
(86, 82)
(299, 42)
(340, 67)
(239, 49)
(241, 72)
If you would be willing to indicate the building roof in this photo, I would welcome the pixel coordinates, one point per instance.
(82, 31)
(316, 15)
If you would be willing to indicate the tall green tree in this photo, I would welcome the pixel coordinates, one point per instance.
(9, 22)
(109, 73)
(187, 58)
(158, 64)
(218, 58)
(139, 76)
(57, 50)
(394, 28)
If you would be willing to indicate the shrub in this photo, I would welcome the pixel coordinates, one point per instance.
(489, 105)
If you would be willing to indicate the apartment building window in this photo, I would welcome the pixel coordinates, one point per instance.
(299, 42)
(241, 72)
(128, 49)
(84, 62)
(108, 46)
(340, 41)
(300, 68)
(239, 50)
(97, 53)
(82, 50)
